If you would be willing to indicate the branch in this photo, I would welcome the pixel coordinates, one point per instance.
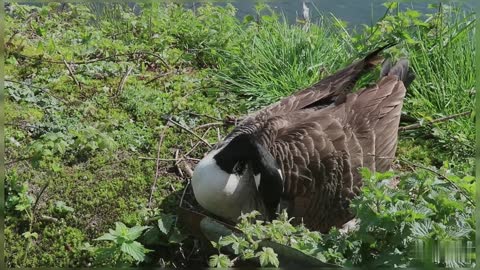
(37, 199)
(16, 160)
(209, 125)
(189, 131)
(123, 81)
(158, 77)
(72, 74)
(438, 120)
(194, 146)
(157, 166)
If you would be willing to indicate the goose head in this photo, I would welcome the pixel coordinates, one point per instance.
(239, 176)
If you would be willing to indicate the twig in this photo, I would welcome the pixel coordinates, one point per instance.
(189, 131)
(205, 115)
(160, 159)
(37, 199)
(72, 74)
(158, 77)
(442, 119)
(209, 125)
(157, 167)
(48, 218)
(193, 147)
(185, 189)
(123, 81)
(16, 160)
(218, 134)
(186, 168)
(168, 159)
(190, 151)
(176, 158)
(441, 176)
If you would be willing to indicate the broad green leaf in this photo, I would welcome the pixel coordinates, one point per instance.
(134, 249)
(107, 236)
(135, 232)
(268, 257)
(165, 223)
(220, 261)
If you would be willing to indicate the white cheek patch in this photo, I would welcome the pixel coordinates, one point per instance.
(257, 179)
(281, 176)
(280, 172)
(232, 184)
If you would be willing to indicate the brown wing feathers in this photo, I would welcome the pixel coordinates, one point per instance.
(361, 132)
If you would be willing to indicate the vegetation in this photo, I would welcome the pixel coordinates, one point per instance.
(104, 108)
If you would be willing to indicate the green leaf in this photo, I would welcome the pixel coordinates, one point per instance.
(134, 249)
(62, 207)
(135, 232)
(268, 257)
(220, 261)
(121, 229)
(165, 223)
(176, 237)
(29, 235)
(107, 237)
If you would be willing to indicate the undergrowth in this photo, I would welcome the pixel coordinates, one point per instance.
(88, 95)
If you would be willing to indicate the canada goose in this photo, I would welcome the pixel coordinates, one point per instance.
(303, 152)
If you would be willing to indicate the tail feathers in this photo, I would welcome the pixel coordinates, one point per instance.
(400, 69)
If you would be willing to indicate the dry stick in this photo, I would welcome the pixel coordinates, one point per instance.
(160, 159)
(205, 115)
(167, 159)
(158, 77)
(72, 74)
(189, 131)
(209, 125)
(218, 134)
(38, 196)
(193, 148)
(189, 172)
(7, 163)
(442, 119)
(157, 167)
(123, 81)
(176, 158)
(441, 176)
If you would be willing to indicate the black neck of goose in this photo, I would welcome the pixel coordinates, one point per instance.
(240, 149)
(244, 149)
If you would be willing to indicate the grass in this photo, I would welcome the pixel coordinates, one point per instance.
(281, 58)
(81, 159)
